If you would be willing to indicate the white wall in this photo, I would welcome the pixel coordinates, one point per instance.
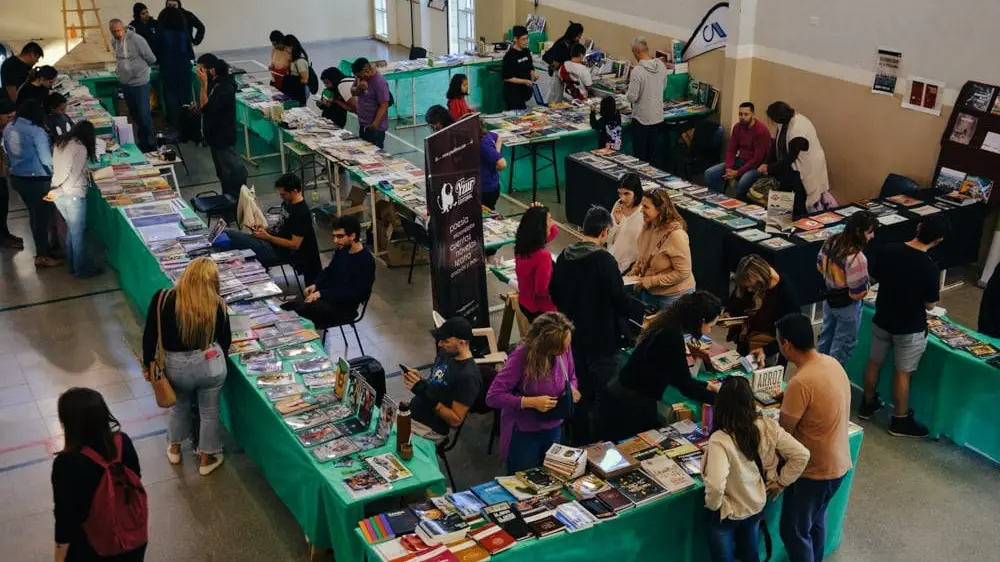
(229, 24)
(430, 26)
(673, 18)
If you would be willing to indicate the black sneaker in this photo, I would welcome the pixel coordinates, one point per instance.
(907, 427)
(870, 407)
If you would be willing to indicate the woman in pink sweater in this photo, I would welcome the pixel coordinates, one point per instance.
(533, 261)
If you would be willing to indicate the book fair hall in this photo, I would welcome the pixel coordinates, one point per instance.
(520, 280)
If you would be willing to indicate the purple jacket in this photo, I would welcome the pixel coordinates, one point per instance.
(507, 389)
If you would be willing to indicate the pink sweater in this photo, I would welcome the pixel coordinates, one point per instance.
(533, 275)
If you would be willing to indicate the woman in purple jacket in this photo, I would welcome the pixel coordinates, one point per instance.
(535, 391)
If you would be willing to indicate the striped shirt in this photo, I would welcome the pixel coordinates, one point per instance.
(851, 273)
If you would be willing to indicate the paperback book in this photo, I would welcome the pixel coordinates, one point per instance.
(389, 467)
(637, 486)
(365, 483)
(317, 435)
(338, 448)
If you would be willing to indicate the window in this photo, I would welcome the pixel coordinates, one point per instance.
(461, 26)
(382, 20)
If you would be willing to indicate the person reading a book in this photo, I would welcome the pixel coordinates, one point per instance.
(816, 410)
(518, 71)
(763, 295)
(587, 287)
(442, 401)
(908, 286)
(844, 268)
(798, 161)
(535, 391)
(296, 84)
(187, 329)
(334, 297)
(629, 220)
(280, 59)
(292, 240)
(662, 269)
(659, 360)
(747, 150)
(533, 261)
(740, 468)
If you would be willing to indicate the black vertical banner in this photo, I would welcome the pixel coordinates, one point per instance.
(458, 262)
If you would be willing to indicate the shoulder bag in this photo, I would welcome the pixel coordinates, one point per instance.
(155, 371)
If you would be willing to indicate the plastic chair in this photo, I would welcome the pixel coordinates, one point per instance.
(418, 236)
(896, 184)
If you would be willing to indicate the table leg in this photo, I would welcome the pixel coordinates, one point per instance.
(944, 282)
(373, 197)
(173, 176)
(281, 150)
(246, 137)
(510, 175)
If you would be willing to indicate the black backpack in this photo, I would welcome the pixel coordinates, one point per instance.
(313, 82)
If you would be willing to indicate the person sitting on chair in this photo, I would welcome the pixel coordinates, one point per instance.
(335, 295)
(292, 240)
(442, 401)
(746, 151)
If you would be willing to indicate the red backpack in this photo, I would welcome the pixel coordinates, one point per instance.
(119, 511)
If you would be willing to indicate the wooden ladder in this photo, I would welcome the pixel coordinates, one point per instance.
(82, 27)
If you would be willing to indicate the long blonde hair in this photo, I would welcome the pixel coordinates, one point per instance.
(545, 341)
(663, 204)
(197, 303)
(753, 279)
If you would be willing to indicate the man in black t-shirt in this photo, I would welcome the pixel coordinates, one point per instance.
(908, 286)
(218, 113)
(15, 70)
(442, 401)
(518, 71)
(292, 240)
(38, 85)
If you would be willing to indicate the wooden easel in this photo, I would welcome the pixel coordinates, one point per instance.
(82, 27)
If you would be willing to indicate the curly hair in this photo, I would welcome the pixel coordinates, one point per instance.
(753, 279)
(668, 213)
(545, 340)
(688, 314)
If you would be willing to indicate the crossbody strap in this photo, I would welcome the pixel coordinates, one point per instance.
(159, 327)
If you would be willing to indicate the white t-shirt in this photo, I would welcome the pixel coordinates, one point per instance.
(344, 89)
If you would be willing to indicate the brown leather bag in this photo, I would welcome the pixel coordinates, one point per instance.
(155, 371)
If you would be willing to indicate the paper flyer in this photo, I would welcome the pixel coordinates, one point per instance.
(886, 71)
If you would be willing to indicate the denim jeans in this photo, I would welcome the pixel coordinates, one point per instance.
(713, 177)
(32, 190)
(803, 518)
(729, 539)
(74, 211)
(840, 331)
(267, 254)
(375, 137)
(137, 100)
(195, 376)
(661, 302)
(645, 140)
(527, 448)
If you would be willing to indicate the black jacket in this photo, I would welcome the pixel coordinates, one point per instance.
(659, 361)
(219, 114)
(587, 287)
(197, 28)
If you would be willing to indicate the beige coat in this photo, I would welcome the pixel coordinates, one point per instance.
(664, 261)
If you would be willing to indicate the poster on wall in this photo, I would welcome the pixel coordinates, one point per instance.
(886, 71)
(458, 261)
(710, 34)
(924, 95)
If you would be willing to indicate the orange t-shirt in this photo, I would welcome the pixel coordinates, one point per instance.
(815, 410)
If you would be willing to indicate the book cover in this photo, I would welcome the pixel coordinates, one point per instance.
(539, 480)
(904, 200)
(964, 129)
(447, 529)
(668, 474)
(633, 446)
(530, 506)
(587, 486)
(297, 351)
(637, 486)
(466, 503)
(983, 350)
(544, 524)
(606, 460)
(277, 393)
(691, 463)
(949, 180)
(338, 448)
(401, 522)
(389, 467)
(493, 538)
(351, 426)
(364, 483)
(492, 493)
(314, 365)
(469, 551)
(401, 548)
(597, 508)
(776, 243)
(281, 379)
(575, 516)
(807, 224)
(614, 499)
(502, 514)
(306, 420)
(317, 435)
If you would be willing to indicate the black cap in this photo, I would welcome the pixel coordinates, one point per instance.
(455, 327)
(7, 106)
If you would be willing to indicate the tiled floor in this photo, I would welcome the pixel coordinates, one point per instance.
(912, 500)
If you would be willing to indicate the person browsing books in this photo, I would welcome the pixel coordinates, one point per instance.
(442, 401)
(556, 57)
(815, 410)
(38, 85)
(491, 163)
(336, 100)
(747, 150)
(764, 296)
(91, 432)
(71, 155)
(533, 261)
(629, 220)
(372, 92)
(588, 289)
(346, 283)
(192, 323)
(56, 120)
(15, 70)
(535, 391)
(7, 239)
(798, 161)
(663, 262)
(608, 125)
(292, 240)
(659, 360)
(908, 286)
(518, 71)
(844, 268)
(740, 466)
(296, 84)
(646, 81)
(575, 75)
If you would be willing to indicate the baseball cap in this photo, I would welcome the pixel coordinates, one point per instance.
(454, 327)
(7, 106)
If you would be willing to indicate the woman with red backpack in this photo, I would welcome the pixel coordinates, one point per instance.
(100, 505)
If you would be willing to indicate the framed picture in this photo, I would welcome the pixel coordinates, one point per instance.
(924, 95)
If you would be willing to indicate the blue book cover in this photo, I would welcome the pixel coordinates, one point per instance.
(492, 493)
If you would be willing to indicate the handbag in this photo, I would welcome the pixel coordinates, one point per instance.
(164, 393)
(564, 408)
(837, 298)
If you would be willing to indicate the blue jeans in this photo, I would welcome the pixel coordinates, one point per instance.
(74, 212)
(375, 137)
(729, 539)
(527, 449)
(713, 177)
(658, 302)
(267, 254)
(176, 88)
(195, 376)
(840, 331)
(137, 100)
(803, 518)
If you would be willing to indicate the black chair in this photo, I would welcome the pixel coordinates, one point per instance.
(706, 147)
(213, 204)
(352, 323)
(896, 184)
(418, 236)
(443, 448)
(284, 274)
(418, 53)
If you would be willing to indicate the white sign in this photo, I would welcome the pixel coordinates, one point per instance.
(710, 34)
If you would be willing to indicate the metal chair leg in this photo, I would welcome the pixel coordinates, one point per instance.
(357, 337)
(343, 335)
(285, 275)
(494, 430)
(413, 260)
(180, 155)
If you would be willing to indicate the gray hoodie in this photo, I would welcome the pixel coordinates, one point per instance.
(132, 58)
(645, 91)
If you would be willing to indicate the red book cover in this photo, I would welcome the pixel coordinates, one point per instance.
(493, 538)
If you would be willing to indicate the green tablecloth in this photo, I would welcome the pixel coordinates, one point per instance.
(672, 528)
(105, 88)
(952, 392)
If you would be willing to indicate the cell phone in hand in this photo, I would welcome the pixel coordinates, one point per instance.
(404, 368)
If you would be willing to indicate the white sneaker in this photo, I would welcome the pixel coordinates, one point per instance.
(174, 458)
(205, 470)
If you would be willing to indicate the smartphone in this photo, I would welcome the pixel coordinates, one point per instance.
(404, 368)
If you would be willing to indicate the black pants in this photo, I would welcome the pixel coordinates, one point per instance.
(490, 198)
(623, 413)
(4, 207)
(231, 172)
(645, 142)
(323, 312)
(529, 314)
(40, 212)
(593, 373)
(514, 97)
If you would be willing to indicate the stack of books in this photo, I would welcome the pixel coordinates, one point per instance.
(565, 462)
(539, 480)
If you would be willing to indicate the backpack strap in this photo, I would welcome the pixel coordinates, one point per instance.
(97, 458)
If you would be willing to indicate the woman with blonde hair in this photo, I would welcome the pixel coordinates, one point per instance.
(764, 296)
(191, 324)
(535, 391)
(663, 267)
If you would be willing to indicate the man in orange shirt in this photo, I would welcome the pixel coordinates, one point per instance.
(815, 411)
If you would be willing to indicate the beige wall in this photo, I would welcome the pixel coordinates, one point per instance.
(494, 18)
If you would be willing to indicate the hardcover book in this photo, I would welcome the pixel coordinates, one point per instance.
(637, 487)
(597, 508)
(544, 524)
(502, 514)
(615, 500)
(493, 538)
(492, 493)
(605, 460)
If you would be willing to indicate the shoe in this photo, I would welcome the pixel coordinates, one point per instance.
(206, 470)
(174, 458)
(41, 261)
(907, 427)
(870, 407)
